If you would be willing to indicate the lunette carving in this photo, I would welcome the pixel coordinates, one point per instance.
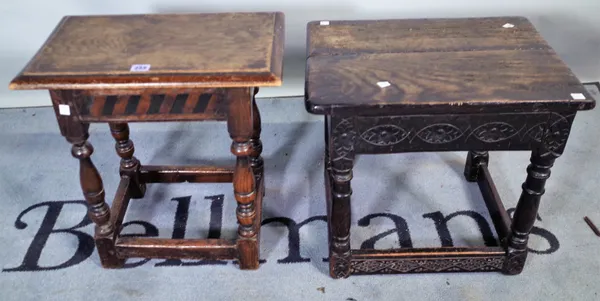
(388, 131)
(439, 133)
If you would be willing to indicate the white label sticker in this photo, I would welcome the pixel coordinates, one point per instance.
(508, 25)
(383, 84)
(324, 23)
(578, 96)
(140, 67)
(64, 110)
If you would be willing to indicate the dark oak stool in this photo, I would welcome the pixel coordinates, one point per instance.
(148, 68)
(472, 85)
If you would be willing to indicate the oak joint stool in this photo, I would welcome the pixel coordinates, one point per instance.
(421, 85)
(154, 68)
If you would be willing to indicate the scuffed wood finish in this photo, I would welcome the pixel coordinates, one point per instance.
(448, 85)
(193, 174)
(183, 50)
(421, 35)
(429, 252)
(458, 78)
(209, 249)
(455, 64)
(201, 67)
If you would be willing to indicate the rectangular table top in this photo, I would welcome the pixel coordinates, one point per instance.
(158, 51)
(455, 63)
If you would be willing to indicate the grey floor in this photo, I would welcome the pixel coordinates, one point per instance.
(40, 198)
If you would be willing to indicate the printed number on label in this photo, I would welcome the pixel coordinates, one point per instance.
(140, 68)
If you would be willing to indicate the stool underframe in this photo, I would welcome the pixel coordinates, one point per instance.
(117, 107)
(544, 133)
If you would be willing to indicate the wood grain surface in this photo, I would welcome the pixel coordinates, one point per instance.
(435, 62)
(191, 50)
(420, 35)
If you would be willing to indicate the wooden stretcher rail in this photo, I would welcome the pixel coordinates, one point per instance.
(120, 203)
(493, 202)
(427, 260)
(429, 252)
(178, 174)
(209, 249)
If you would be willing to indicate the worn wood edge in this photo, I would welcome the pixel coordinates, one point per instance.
(428, 252)
(103, 81)
(14, 83)
(523, 18)
(277, 48)
(209, 249)
(450, 106)
(180, 243)
(193, 174)
(125, 15)
(595, 84)
(493, 202)
(151, 118)
(106, 92)
(308, 50)
(361, 21)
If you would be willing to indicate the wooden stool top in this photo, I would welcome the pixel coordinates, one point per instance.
(159, 51)
(449, 65)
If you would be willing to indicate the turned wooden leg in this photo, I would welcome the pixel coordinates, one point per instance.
(98, 210)
(256, 161)
(91, 183)
(240, 126)
(130, 165)
(525, 213)
(474, 159)
(341, 160)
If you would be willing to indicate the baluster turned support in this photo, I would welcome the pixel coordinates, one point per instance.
(341, 160)
(526, 211)
(240, 126)
(91, 183)
(130, 165)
